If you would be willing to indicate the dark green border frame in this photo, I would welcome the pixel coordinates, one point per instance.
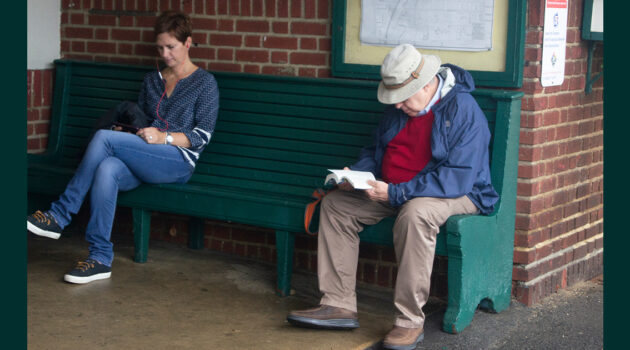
(14, 144)
(586, 23)
(512, 77)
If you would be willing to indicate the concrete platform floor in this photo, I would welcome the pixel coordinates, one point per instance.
(179, 299)
(187, 299)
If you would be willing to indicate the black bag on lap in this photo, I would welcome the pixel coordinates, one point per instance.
(126, 114)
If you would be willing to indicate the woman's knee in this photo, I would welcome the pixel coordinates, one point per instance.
(100, 139)
(101, 135)
(113, 173)
(109, 168)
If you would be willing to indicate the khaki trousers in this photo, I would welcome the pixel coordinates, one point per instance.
(342, 216)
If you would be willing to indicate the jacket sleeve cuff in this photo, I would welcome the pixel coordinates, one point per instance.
(396, 195)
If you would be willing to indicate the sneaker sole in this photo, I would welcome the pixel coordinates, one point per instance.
(87, 279)
(405, 347)
(38, 231)
(338, 323)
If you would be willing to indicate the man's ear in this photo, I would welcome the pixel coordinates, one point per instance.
(427, 87)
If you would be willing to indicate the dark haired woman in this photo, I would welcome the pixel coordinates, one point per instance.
(183, 101)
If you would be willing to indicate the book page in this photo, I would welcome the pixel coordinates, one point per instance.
(358, 179)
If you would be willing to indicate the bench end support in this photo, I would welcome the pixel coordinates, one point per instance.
(284, 253)
(141, 234)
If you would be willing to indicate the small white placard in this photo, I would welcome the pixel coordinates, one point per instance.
(554, 42)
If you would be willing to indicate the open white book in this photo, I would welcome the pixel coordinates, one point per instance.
(358, 179)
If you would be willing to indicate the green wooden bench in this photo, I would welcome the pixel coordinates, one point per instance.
(274, 141)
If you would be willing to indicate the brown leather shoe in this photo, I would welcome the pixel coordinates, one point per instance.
(400, 338)
(324, 316)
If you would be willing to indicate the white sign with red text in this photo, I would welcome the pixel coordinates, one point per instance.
(554, 42)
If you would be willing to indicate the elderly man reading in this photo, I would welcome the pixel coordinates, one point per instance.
(430, 157)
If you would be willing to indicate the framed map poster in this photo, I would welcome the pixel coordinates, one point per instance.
(485, 37)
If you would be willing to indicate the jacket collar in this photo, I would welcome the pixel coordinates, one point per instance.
(436, 97)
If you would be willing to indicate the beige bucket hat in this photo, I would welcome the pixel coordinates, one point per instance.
(404, 72)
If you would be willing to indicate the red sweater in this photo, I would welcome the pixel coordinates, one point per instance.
(409, 151)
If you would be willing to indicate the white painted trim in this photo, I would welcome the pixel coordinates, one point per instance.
(43, 33)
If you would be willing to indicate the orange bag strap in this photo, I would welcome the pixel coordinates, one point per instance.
(318, 194)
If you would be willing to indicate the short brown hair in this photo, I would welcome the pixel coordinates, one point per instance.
(175, 23)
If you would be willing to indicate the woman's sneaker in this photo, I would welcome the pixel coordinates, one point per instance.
(43, 224)
(88, 271)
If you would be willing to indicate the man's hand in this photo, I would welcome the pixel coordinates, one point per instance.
(346, 186)
(378, 192)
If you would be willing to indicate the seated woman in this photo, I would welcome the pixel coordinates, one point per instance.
(183, 101)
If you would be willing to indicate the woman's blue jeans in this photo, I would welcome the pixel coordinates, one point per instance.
(115, 161)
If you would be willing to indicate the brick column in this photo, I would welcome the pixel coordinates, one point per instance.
(559, 223)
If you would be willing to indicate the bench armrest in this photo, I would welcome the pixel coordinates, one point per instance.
(457, 224)
(471, 230)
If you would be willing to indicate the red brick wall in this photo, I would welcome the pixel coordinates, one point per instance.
(559, 224)
(559, 220)
(39, 85)
(277, 37)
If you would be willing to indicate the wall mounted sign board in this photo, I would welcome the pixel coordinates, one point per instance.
(593, 20)
(494, 60)
(554, 42)
(453, 25)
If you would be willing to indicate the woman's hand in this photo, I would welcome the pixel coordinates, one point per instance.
(152, 135)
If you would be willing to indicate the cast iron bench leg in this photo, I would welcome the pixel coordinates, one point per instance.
(195, 233)
(284, 252)
(141, 233)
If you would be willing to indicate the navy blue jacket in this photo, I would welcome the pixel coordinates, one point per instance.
(460, 138)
